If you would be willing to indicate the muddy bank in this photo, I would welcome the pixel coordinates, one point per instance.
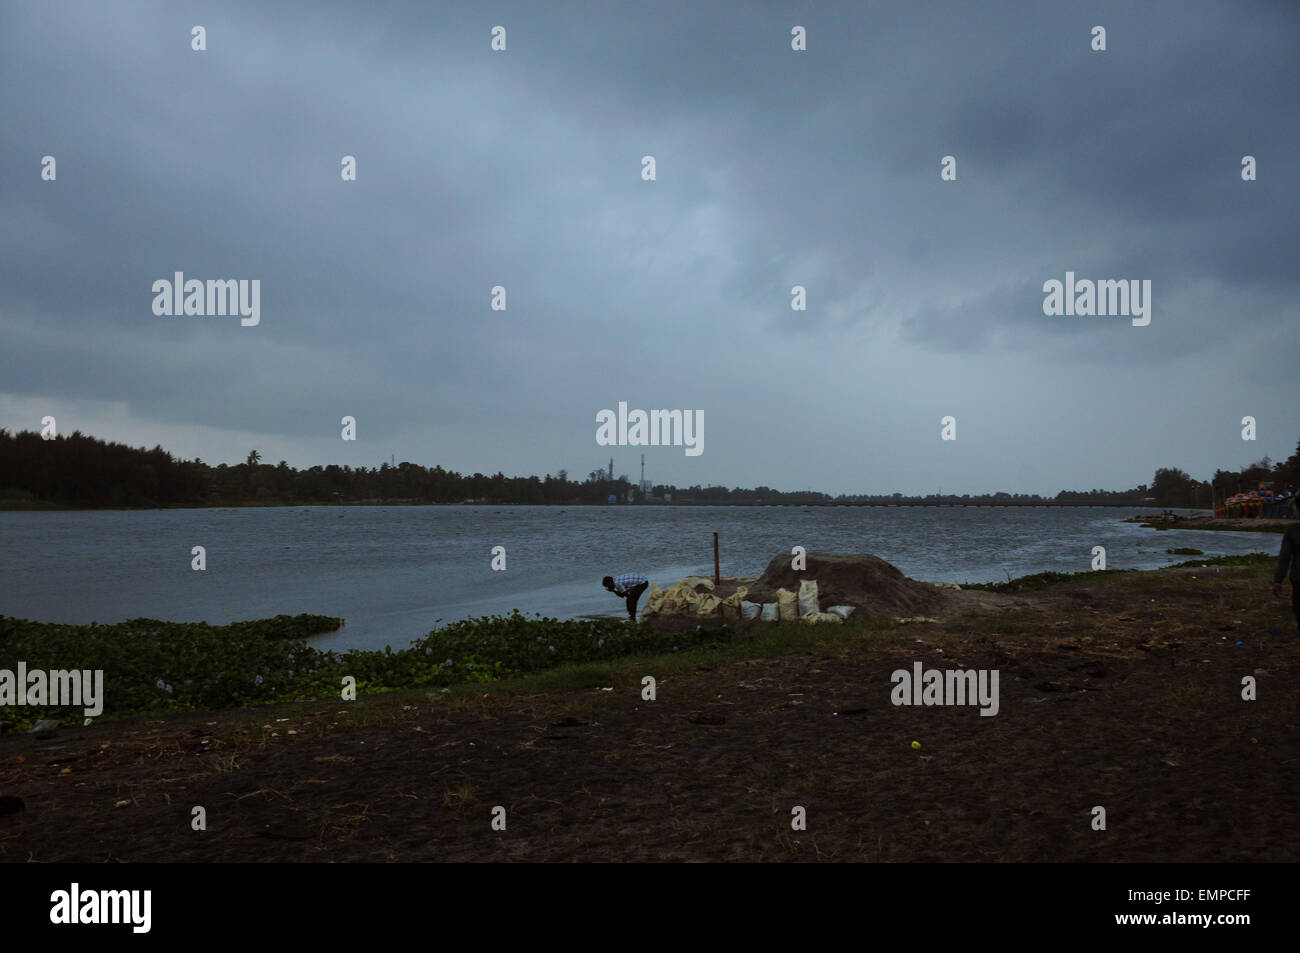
(1212, 523)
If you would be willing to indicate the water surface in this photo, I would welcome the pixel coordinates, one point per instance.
(392, 572)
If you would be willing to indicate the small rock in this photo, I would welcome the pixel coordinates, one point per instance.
(44, 728)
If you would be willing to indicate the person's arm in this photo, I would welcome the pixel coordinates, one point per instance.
(1283, 560)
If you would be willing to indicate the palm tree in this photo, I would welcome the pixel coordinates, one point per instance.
(253, 458)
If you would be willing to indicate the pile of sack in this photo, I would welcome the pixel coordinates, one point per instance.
(694, 596)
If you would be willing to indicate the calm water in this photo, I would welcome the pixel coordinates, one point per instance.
(392, 572)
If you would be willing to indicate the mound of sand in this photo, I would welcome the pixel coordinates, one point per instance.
(874, 586)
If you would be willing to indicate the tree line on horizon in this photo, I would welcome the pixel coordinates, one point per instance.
(83, 471)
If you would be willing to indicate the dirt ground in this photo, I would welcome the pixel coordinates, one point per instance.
(1122, 692)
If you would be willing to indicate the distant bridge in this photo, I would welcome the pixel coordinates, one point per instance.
(1018, 503)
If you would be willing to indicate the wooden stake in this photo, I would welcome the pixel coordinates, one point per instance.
(717, 578)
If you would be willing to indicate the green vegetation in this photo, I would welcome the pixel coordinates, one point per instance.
(154, 666)
(1249, 559)
(151, 665)
(1041, 580)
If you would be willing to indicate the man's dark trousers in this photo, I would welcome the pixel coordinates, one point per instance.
(634, 594)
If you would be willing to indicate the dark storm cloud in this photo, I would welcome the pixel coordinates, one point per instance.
(522, 169)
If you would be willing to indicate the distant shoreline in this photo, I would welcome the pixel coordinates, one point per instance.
(24, 506)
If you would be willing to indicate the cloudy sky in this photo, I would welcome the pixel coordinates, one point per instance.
(774, 168)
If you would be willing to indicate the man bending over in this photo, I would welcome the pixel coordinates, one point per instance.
(629, 584)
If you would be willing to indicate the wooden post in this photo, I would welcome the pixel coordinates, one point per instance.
(717, 578)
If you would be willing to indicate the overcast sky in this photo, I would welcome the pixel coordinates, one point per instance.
(774, 168)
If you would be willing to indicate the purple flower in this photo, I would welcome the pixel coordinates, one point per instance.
(160, 683)
(168, 689)
(552, 648)
(428, 651)
(469, 665)
(600, 643)
(291, 673)
(258, 680)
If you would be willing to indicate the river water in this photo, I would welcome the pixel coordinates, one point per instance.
(393, 572)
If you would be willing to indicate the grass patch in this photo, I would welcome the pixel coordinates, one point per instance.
(1042, 580)
(1248, 559)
